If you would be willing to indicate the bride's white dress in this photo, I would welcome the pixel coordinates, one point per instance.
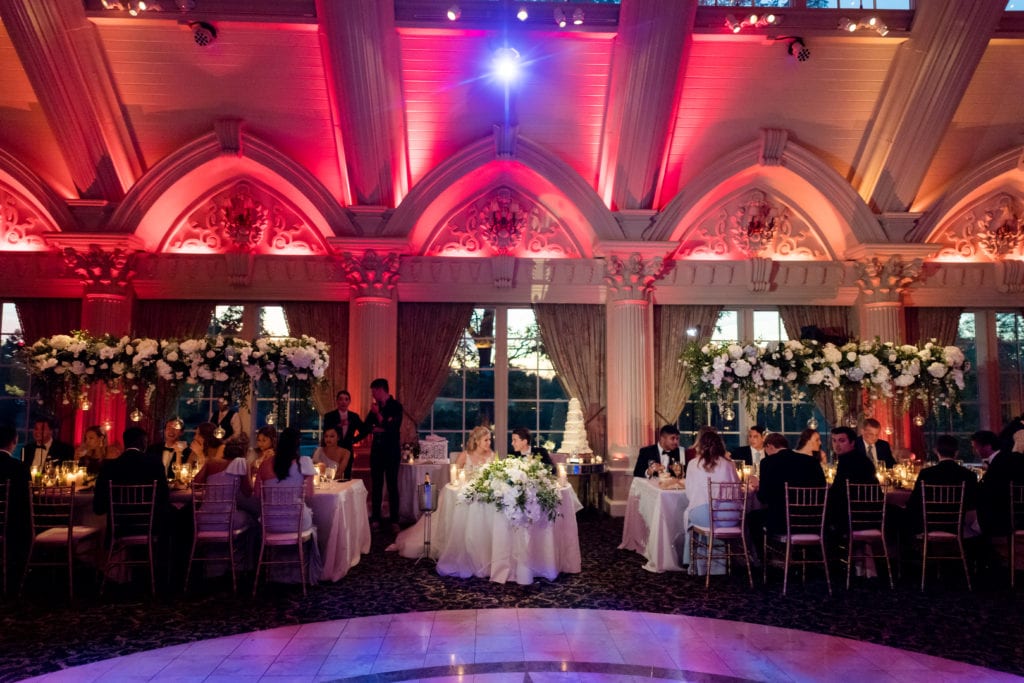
(409, 543)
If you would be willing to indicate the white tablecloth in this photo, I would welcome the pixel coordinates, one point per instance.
(412, 475)
(343, 527)
(654, 516)
(476, 539)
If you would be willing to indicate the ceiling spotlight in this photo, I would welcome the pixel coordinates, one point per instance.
(454, 13)
(506, 64)
(577, 17)
(797, 49)
(751, 20)
(768, 20)
(732, 24)
(522, 14)
(847, 25)
(882, 29)
(560, 17)
(871, 21)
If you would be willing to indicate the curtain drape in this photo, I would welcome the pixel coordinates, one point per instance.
(671, 390)
(47, 317)
(168, 319)
(941, 324)
(832, 319)
(574, 338)
(427, 336)
(325, 321)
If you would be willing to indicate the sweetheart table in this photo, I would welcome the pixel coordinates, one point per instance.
(476, 539)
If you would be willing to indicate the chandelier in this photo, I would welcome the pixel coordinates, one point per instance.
(502, 224)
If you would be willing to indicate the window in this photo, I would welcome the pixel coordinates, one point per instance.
(14, 380)
(788, 417)
(500, 376)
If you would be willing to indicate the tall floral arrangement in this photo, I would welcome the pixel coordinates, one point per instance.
(522, 488)
(931, 373)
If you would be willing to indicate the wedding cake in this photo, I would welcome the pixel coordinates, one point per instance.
(575, 440)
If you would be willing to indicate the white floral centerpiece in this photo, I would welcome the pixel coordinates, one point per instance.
(524, 489)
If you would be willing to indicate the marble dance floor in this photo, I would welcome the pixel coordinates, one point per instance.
(534, 645)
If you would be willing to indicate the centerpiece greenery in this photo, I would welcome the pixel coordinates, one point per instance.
(524, 489)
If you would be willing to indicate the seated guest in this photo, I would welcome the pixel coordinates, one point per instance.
(330, 454)
(1009, 431)
(16, 473)
(1004, 468)
(851, 466)
(477, 453)
(172, 451)
(134, 466)
(521, 447)
(45, 446)
(691, 452)
(809, 443)
(266, 442)
(783, 466)
(660, 456)
(197, 449)
(350, 426)
(711, 464)
(753, 452)
(985, 445)
(288, 468)
(877, 450)
(227, 465)
(947, 472)
(94, 450)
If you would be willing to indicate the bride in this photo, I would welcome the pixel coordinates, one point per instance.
(409, 543)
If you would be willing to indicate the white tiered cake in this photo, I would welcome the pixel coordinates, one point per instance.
(575, 441)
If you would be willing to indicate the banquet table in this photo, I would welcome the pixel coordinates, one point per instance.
(654, 517)
(476, 539)
(343, 528)
(410, 475)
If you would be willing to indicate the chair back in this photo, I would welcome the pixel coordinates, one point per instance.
(131, 509)
(942, 508)
(281, 509)
(1017, 507)
(805, 510)
(51, 507)
(865, 506)
(727, 502)
(213, 506)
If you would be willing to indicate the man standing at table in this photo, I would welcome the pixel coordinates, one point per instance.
(384, 421)
(660, 456)
(877, 450)
(349, 426)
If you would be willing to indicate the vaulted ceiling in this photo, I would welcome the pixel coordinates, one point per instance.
(373, 99)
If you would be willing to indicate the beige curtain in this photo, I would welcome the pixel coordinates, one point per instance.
(166, 319)
(671, 390)
(47, 317)
(427, 336)
(325, 321)
(574, 338)
(835, 320)
(941, 324)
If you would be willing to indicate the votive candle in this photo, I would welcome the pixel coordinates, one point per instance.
(562, 474)
(453, 472)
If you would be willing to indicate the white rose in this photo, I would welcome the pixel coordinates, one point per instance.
(735, 351)
(741, 368)
(816, 377)
(903, 380)
(937, 370)
(868, 363)
(851, 356)
(953, 355)
(770, 372)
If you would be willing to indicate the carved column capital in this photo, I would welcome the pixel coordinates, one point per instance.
(371, 275)
(886, 280)
(99, 270)
(634, 277)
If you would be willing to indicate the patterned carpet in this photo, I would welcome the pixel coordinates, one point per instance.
(42, 633)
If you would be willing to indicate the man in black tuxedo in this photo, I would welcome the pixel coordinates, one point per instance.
(1005, 467)
(521, 447)
(385, 422)
(45, 445)
(659, 456)
(172, 450)
(349, 426)
(133, 466)
(753, 452)
(851, 466)
(16, 473)
(946, 473)
(877, 450)
(783, 466)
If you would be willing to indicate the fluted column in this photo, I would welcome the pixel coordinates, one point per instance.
(106, 309)
(373, 323)
(630, 363)
(880, 307)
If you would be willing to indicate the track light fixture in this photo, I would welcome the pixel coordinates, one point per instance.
(732, 24)
(560, 17)
(577, 17)
(868, 23)
(847, 25)
(522, 14)
(751, 20)
(454, 12)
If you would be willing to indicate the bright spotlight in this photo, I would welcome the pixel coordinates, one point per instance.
(522, 14)
(882, 29)
(506, 64)
(577, 17)
(732, 24)
(560, 17)
(847, 25)
(454, 13)
(769, 18)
